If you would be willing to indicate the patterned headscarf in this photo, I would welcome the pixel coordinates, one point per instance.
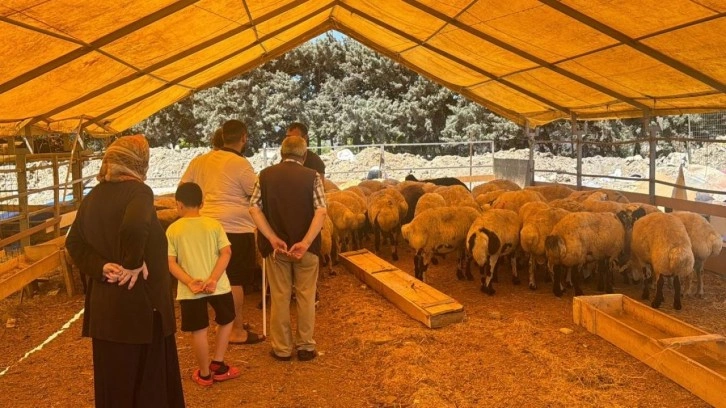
(126, 159)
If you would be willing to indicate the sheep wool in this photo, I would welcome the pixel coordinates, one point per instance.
(386, 209)
(493, 185)
(514, 200)
(535, 229)
(428, 201)
(493, 234)
(552, 191)
(438, 231)
(705, 242)
(661, 241)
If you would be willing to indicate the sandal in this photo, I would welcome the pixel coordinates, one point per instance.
(197, 378)
(252, 338)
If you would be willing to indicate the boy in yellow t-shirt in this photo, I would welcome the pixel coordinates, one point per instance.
(198, 255)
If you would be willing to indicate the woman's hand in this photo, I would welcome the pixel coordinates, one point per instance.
(112, 272)
(130, 276)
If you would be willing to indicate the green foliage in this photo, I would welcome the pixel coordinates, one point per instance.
(348, 94)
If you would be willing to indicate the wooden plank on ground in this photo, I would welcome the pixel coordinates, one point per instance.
(13, 281)
(417, 299)
(684, 353)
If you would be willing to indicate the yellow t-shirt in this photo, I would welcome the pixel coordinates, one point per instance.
(196, 242)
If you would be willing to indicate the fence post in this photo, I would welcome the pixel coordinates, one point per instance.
(651, 154)
(56, 196)
(21, 172)
(264, 154)
(529, 133)
(577, 133)
(471, 160)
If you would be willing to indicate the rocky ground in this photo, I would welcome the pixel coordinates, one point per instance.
(705, 169)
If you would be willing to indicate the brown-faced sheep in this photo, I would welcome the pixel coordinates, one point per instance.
(705, 242)
(661, 241)
(438, 231)
(411, 192)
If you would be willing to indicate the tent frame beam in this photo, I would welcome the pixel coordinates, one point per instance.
(170, 60)
(209, 65)
(519, 52)
(96, 45)
(454, 58)
(637, 45)
(498, 109)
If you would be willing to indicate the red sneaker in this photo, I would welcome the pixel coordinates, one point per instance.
(197, 377)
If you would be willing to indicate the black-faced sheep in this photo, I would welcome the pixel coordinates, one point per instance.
(438, 231)
(493, 234)
(661, 241)
(440, 181)
(705, 242)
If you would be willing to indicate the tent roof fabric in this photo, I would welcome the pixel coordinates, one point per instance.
(106, 65)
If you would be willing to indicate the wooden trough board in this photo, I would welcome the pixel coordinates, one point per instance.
(693, 358)
(415, 298)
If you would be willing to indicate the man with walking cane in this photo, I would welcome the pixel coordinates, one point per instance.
(288, 207)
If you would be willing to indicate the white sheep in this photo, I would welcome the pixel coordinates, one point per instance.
(346, 222)
(661, 241)
(705, 242)
(386, 209)
(457, 196)
(429, 200)
(584, 237)
(493, 185)
(514, 200)
(536, 227)
(328, 244)
(552, 191)
(493, 234)
(438, 231)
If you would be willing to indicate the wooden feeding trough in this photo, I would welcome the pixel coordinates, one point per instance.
(415, 298)
(686, 354)
(35, 262)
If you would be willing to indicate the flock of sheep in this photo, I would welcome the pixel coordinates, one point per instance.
(567, 231)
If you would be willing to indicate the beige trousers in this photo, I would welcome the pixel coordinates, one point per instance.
(283, 272)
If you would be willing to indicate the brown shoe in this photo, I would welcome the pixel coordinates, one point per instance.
(306, 355)
(279, 358)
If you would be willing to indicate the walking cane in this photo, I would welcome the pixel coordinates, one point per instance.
(264, 299)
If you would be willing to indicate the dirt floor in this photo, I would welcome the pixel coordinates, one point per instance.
(509, 351)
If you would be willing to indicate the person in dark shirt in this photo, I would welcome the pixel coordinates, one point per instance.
(289, 242)
(118, 244)
(312, 160)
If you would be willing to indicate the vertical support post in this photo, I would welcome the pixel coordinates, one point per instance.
(651, 154)
(577, 136)
(382, 162)
(77, 175)
(264, 154)
(530, 133)
(21, 172)
(56, 196)
(471, 160)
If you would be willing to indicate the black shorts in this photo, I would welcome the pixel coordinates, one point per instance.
(243, 264)
(194, 314)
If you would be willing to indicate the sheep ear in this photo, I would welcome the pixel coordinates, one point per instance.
(624, 218)
(494, 242)
(639, 213)
(472, 242)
